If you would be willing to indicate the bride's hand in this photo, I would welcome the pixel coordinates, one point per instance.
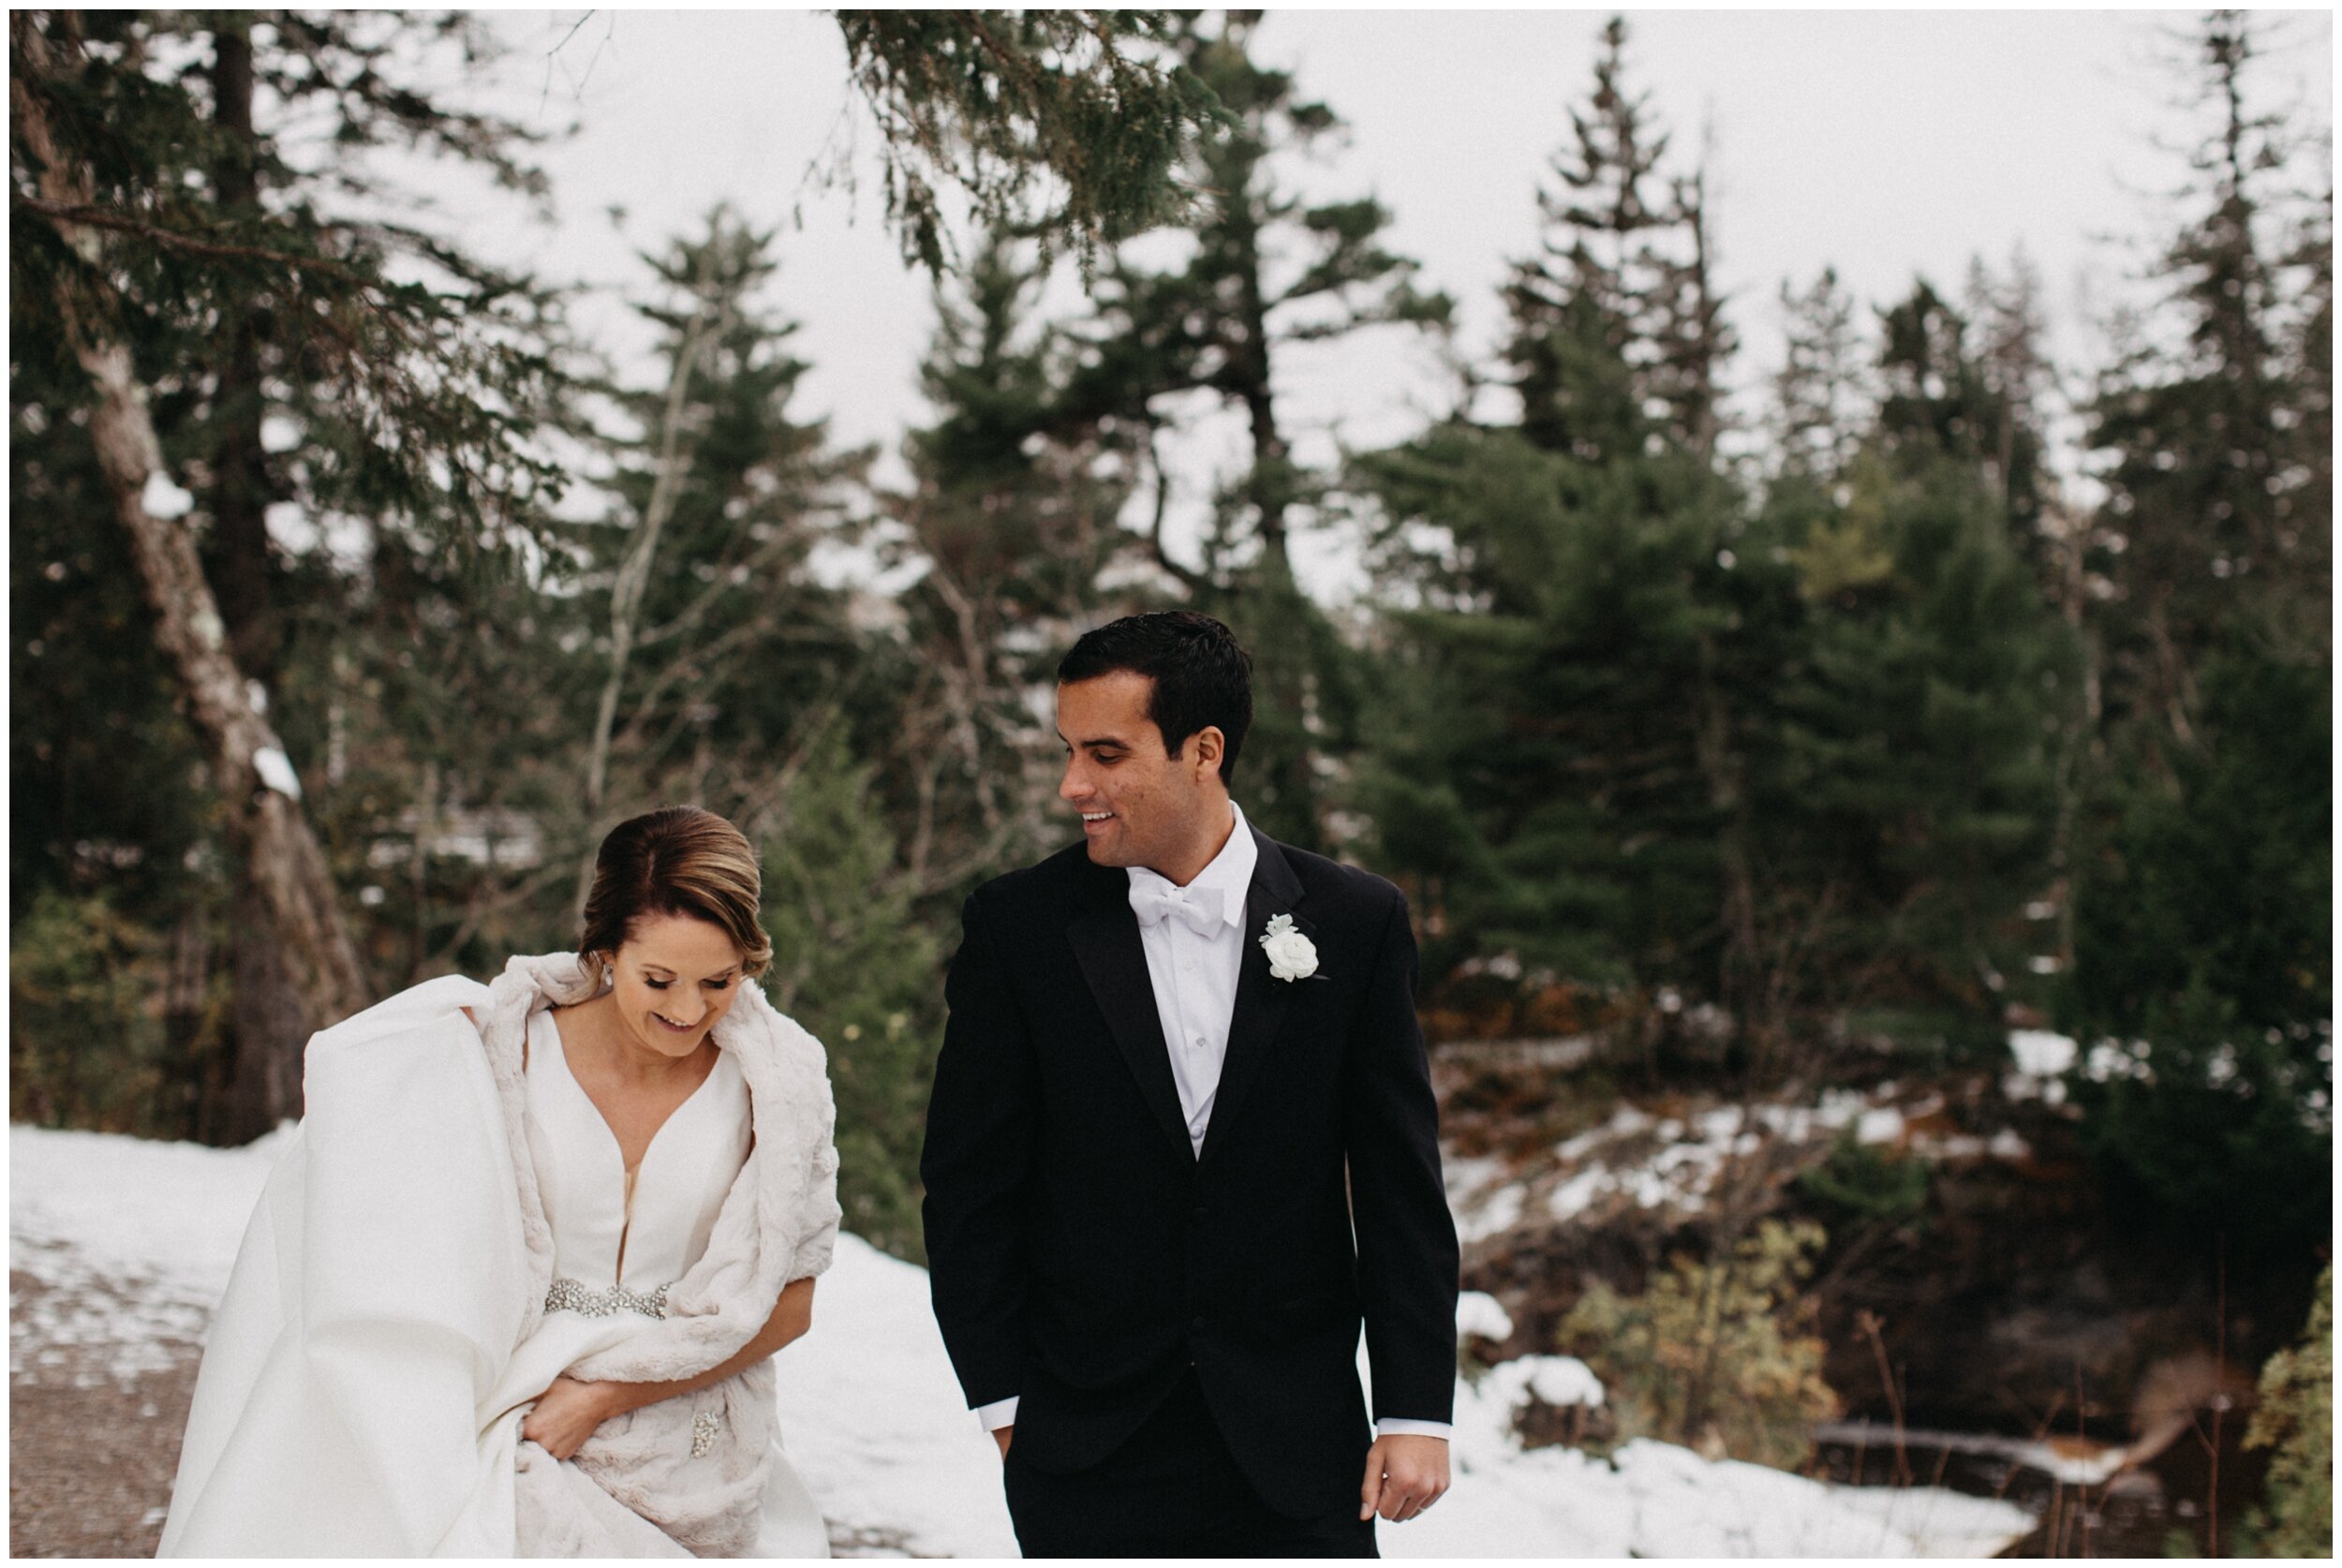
(566, 1414)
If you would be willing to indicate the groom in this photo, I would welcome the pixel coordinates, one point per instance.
(1181, 1142)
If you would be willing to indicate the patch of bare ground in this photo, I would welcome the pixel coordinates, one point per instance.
(90, 1453)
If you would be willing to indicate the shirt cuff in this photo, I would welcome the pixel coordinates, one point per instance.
(1392, 1425)
(999, 1413)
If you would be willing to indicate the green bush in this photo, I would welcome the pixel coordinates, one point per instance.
(1859, 1183)
(1718, 1353)
(851, 964)
(2296, 1419)
(85, 1037)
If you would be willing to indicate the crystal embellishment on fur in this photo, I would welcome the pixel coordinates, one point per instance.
(568, 1295)
(702, 1434)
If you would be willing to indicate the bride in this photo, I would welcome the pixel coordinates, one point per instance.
(516, 1285)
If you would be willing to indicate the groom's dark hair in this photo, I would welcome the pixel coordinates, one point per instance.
(1201, 676)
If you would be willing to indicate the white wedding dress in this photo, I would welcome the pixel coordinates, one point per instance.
(621, 1238)
(365, 1382)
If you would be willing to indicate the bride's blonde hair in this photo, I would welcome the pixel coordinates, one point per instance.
(678, 860)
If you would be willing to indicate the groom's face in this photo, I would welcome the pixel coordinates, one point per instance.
(1140, 805)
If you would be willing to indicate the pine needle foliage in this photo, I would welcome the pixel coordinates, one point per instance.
(1053, 122)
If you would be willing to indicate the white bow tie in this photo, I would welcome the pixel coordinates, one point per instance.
(1201, 909)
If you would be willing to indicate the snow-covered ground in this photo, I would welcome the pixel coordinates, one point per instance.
(147, 1232)
(1640, 1161)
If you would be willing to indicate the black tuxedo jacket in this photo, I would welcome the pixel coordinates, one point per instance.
(1082, 1256)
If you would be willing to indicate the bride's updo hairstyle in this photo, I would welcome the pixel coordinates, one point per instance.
(678, 860)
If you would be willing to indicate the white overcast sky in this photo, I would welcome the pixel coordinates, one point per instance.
(1887, 144)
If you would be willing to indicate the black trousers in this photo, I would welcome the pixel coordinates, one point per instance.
(1171, 1490)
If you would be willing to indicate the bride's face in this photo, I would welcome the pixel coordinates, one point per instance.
(672, 978)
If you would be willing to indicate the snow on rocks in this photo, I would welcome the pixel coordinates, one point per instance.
(2040, 1054)
(1553, 1380)
(1480, 1315)
(1481, 1195)
(2042, 1060)
(1670, 1164)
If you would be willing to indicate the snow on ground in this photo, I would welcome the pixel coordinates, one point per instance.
(1635, 1160)
(873, 1418)
(1655, 1500)
(875, 1423)
(150, 1228)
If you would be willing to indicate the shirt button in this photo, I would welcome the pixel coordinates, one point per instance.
(1197, 1215)
(1196, 1322)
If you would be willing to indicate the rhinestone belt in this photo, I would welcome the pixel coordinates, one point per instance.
(568, 1295)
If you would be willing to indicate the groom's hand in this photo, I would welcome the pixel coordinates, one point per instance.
(1404, 1476)
(1000, 1435)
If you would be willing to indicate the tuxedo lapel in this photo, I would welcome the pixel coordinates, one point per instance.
(1261, 1000)
(1104, 934)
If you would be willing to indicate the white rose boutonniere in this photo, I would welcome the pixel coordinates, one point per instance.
(1291, 954)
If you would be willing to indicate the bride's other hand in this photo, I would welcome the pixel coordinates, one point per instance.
(566, 1414)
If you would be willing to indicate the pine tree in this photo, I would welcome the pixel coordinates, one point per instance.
(1617, 332)
(2211, 519)
(853, 964)
(1012, 514)
(2017, 378)
(1820, 394)
(1268, 272)
(2202, 908)
(1911, 769)
(1574, 786)
(718, 647)
(1790, 763)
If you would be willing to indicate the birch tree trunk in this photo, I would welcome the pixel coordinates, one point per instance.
(633, 576)
(271, 1019)
(268, 834)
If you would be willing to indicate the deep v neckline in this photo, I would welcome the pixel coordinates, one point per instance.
(628, 1174)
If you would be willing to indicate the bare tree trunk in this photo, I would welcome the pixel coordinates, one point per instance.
(1720, 769)
(634, 578)
(270, 1021)
(2082, 729)
(1707, 311)
(268, 834)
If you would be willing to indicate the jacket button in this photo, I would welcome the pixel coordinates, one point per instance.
(1197, 1213)
(1195, 1324)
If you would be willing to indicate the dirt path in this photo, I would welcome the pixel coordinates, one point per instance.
(91, 1451)
(93, 1448)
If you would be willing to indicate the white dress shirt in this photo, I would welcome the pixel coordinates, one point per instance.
(1195, 973)
(1194, 961)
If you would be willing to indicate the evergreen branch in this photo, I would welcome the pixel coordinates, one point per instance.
(1193, 580)
(90, 216)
